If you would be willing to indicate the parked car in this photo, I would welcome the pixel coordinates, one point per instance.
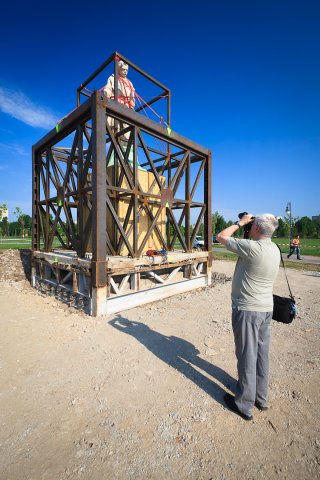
(214, 239)
(198, 243)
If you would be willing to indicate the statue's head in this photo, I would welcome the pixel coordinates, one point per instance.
(123, 69)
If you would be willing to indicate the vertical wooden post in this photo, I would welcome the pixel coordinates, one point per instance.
(35, 199)
(135, 282)
(135, 200)
(187, 205)
(116, 77)
(187, 271)
(35, 213)
(47, 196)
(75, 287)
(80, 185)
(208, 214)
(168, 224)
(99, 224)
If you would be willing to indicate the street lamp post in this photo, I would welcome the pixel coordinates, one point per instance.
(289, 212)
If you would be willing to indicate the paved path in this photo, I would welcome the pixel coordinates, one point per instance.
(304, 259)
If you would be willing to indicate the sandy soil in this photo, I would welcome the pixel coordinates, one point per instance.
(139, 395)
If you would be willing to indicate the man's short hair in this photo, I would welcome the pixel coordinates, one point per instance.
(267, 224)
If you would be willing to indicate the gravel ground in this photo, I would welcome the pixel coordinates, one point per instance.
(139, 395)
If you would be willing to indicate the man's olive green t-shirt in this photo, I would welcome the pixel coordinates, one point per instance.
(255, 273)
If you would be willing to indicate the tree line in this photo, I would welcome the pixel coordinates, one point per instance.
(304, 226)
(21, 227)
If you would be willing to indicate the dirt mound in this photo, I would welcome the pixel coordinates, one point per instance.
(15, 265)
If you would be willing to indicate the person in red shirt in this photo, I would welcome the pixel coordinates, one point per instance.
(295, 247)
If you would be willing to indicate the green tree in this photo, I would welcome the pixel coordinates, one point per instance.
(201, 230)
(172, 230)
(3, 208)
(218, 223)
(17, 212)
(283, 229)
(5, 226)
(286, 221)
(27, 224)
(3, 219)
(21, 219)
(316, 224)
(306, 227)
(14, 228)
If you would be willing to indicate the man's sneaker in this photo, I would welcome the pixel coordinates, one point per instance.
(229, 401)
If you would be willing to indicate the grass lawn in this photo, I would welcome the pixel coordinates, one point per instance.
(296, 266)
(16, 243)
(309, 246)
(14, 246)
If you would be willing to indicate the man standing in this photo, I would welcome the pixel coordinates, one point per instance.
(295, 246)
(252, 307)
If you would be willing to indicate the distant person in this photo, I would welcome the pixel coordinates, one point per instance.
(252, 308)
(295, 247)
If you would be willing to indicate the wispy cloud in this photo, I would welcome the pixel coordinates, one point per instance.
(14, 148)
(19, 106)
(6, 130)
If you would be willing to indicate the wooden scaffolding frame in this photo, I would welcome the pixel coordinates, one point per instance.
(81, 171)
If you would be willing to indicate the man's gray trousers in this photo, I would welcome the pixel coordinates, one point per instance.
(252, 338)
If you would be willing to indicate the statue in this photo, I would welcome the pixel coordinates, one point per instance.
(125, 97)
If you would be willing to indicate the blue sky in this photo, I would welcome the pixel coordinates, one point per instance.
(244, 76)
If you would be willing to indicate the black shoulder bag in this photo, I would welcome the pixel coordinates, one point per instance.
(284, 309)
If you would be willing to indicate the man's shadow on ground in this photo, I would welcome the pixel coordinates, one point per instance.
(179, 354)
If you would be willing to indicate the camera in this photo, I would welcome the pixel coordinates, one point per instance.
(246, 228)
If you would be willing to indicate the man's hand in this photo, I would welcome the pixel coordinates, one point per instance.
(246, 219)
(224, 236)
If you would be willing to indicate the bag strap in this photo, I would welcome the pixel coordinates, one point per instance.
(291, 296)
